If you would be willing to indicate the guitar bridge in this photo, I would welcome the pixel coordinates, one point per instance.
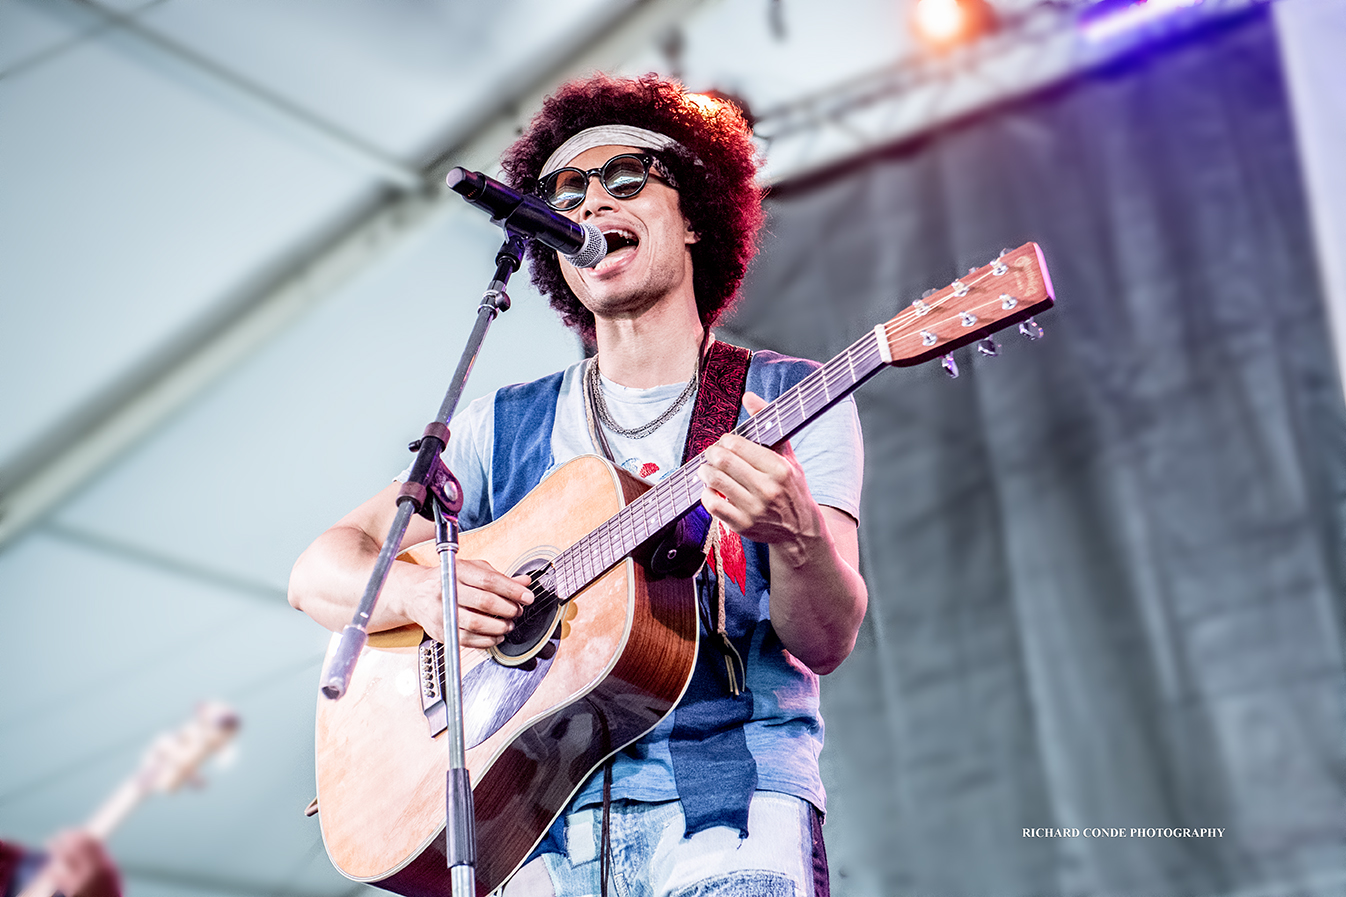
(430, 666)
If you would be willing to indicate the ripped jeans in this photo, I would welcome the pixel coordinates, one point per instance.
(781, 857)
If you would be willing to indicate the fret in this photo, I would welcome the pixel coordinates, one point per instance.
(562, 576)
(587, 559)
(606, 549)
(691, 490)
(579, 551)
(594, 553)
(847, 375)
(568, 561)
(633, 527)
(655, 512)
(669, 506)
(840, 380)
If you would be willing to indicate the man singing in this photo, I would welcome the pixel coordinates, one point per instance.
(723, 796)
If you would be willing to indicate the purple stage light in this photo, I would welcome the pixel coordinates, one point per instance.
(1119, 18)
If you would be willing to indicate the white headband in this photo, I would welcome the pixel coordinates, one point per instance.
(604, 135)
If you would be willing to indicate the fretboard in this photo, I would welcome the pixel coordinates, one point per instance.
(680, 491)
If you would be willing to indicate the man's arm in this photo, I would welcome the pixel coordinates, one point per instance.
(817, 595)
(330, 576)
(75, 864)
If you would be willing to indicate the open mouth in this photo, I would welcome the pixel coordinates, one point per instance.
(620, 239)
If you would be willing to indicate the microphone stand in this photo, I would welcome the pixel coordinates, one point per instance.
(429, 478)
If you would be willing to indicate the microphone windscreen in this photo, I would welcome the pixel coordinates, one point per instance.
(593, 251)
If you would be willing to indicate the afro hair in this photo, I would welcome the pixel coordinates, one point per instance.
(715, 164)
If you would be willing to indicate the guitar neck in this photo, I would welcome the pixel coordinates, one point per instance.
(680, 491)
(1008, 290)
(113, 811)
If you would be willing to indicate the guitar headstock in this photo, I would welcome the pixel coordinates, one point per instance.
(174, 757)
(1010, 289)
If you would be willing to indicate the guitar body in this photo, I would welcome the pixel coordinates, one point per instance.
(618, 663)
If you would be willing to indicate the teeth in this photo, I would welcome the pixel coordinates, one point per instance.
(618, 238)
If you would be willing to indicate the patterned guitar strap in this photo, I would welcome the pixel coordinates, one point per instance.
(719, 396)
(696, 538)
(718, 399)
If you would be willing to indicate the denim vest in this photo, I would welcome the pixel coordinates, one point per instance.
(722, 746)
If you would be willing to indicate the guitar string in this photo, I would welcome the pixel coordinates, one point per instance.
(808, 389)
(591, 559)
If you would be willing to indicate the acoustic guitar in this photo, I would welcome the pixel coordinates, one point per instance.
(604, 652)
(171, 759)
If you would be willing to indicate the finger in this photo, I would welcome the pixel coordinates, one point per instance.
(482, 576)
(488, 603)
(728, 490)
(762, 457)
(72, 858)
(483, 624)
(481, 630)
(472, 640)
(786, 451)
(72, 846)
(765, 473)
(725, 511)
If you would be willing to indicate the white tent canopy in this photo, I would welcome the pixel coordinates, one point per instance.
(230, 293)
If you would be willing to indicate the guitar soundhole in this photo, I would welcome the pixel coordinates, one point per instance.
(537, 629)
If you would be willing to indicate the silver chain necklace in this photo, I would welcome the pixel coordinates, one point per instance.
(593, 388)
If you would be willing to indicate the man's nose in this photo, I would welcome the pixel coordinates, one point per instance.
(596, 197)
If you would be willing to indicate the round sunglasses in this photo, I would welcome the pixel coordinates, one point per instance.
(622, 176)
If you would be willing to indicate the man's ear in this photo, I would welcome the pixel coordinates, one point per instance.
(691, 236)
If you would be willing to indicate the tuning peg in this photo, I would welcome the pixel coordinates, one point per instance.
(928, 293)
(1003, 253)
(1031, 329)
(988, 347)
(950, 366)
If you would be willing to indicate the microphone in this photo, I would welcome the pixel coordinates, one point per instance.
(580, 244)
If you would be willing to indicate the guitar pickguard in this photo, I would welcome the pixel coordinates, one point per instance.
(493, 692)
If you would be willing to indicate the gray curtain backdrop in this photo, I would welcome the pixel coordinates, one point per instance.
(1105, 568)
